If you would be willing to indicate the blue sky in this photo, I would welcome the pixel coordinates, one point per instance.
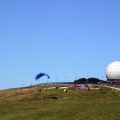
(63, 38)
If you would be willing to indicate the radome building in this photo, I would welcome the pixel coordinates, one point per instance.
(113, 72)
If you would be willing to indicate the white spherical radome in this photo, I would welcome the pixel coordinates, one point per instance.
(113, 70)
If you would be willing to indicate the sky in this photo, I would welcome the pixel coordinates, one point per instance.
(67, 39)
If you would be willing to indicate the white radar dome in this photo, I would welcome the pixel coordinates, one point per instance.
(113, 70)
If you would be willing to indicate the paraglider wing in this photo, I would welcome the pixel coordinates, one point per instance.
(40, 75)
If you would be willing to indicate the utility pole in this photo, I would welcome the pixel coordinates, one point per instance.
(56, 80)
(65, 79)
(87, 79)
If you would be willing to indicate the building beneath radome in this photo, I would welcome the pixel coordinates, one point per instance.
(113, 72)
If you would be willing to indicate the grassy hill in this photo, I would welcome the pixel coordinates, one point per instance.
(31, 104)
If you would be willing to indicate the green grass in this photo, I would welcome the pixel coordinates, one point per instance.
(59, 105)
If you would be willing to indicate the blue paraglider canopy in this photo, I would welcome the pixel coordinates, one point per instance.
(40, 75)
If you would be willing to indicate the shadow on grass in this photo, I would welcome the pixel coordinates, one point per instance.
(53, 97)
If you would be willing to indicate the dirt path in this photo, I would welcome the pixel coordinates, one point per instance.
(115, 88)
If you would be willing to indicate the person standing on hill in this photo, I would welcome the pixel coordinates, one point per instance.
(88, 87)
